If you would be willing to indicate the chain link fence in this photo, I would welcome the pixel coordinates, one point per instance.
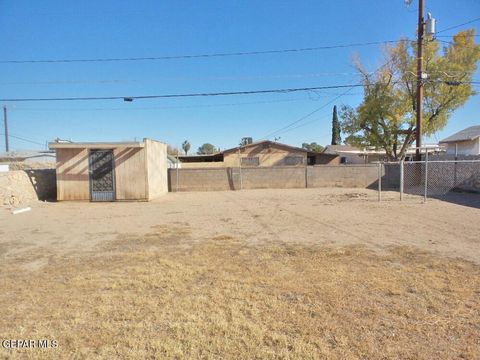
(429, 179)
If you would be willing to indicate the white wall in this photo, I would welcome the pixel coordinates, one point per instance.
(156, 168)
(464, 147)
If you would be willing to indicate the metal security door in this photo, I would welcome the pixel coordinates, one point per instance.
(102, 177)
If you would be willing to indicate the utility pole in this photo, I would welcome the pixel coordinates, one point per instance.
(418, 132)
(5, 121)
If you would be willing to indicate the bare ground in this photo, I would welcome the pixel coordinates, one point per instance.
(307, 273)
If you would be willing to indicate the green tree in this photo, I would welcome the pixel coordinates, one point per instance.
(206, 148)
(313, 147)
(174, 151)
(336, 130)
(386, 117)
(186, 146)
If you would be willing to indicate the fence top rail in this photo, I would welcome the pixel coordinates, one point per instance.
(431, 161)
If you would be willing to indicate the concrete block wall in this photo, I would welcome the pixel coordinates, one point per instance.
(211, 179)
(342, 176)
(273, 177)
(279, 177)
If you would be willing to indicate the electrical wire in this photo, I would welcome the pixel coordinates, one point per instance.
(23, 139)
(169, 107)
(119, 81)
(130, 98)
(194, 56)
(459, 25)
(322, 118)
(287, 127)
(282, 130)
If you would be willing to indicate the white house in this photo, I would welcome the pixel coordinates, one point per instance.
(465, 142)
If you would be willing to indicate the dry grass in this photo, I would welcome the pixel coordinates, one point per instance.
(163, 296)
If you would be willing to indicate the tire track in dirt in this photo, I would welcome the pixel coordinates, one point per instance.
(301, 216)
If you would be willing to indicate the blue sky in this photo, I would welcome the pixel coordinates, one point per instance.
(54, 29)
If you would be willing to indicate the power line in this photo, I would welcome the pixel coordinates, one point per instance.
(288, 126)
(282, 130)
(23, 139)
(194, 56)
(169, 107)
(453, 43)
(250, 92)
(119, 81)
(315, 120)
(459, 25)
(245, 77)
(447, 36)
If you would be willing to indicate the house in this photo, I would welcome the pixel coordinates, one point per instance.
(110, 171)
(260, 154)
(353, 155)
(350, 154)
(464, 142)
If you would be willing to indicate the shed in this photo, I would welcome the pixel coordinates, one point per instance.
(110, 171)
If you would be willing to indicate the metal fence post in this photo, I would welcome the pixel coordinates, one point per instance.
(426, 175)
(177, 166)
(240, 168)
(379, 181)
(306, 176)
(401, 180)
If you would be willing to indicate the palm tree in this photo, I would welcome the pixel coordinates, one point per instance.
(186, 146)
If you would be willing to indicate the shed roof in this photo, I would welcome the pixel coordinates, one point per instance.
(468, 134)
(95, 145)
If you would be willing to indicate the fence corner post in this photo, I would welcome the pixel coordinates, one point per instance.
(306, 176)
(401, 179)
(379, 181)
(426, 176)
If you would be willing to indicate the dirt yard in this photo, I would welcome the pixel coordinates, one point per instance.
(307, 273)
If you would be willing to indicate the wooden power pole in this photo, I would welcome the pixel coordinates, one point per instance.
(5, 121)
(418, 132)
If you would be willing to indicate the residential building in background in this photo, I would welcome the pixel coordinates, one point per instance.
(261, 154)
(464, 142)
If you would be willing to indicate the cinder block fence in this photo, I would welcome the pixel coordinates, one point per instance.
(278, 177)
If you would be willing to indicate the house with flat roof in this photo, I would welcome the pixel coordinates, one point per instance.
(464, 142)
(110, 171)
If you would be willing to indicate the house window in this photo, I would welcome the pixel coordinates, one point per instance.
(250, 161)
(293, 160)
(343, 160)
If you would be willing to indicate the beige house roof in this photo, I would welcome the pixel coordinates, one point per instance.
(468, 134)
(337, 149)
(268, 143)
